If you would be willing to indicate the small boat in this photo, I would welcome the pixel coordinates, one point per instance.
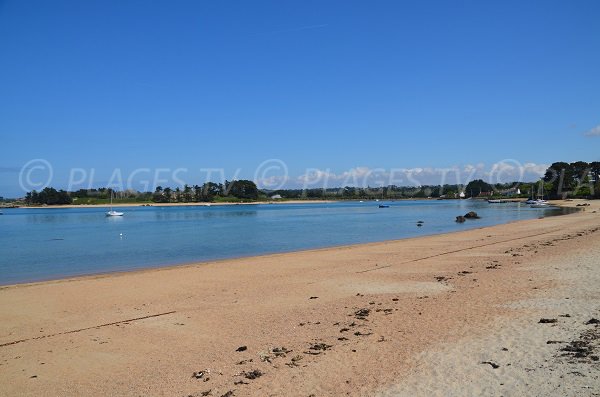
(531, 200)
(384, 206)
(112, 212)
(540, 204)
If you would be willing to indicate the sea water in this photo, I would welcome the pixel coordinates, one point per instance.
(49, 243)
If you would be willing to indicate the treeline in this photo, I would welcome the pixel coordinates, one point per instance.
(474, 189)
(561, 180)
(208, 192)
(577, 179)
(240, 190)
(48, 196)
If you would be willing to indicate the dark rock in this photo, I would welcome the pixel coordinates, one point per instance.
(460, 219)
(241, 349)
(314, 297)
(547, 321)
(593, 321)
(472, 215)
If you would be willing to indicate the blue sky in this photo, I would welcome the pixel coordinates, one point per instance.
(332, 87)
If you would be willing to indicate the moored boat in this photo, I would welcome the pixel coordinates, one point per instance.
(540, 204)
(112, 212)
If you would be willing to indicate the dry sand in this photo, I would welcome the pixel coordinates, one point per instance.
(417, 317)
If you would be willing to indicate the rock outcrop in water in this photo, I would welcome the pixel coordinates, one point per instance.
(472, 215)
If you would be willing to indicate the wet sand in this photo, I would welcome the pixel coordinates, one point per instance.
(455, 314)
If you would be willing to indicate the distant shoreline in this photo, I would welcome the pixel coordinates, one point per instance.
(198, 204)
(559, 203)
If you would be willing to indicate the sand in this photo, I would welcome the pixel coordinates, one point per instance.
(448, 315)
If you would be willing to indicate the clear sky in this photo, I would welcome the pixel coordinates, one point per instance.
(335, 86)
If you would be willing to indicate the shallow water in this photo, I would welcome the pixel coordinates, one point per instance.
(40, 244)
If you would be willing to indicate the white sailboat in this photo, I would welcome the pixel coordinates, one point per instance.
(113, 212)
(531, 200)
(540, 202)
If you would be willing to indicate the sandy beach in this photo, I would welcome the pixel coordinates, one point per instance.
(506, 310)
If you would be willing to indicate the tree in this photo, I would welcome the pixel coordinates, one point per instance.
(187, 193)
(168, 193)
(48, 196)
(159, 196)
(477, 186)
(595, 178)
(197, 193)
(560, 175)
(210, 190)
(579, 169)
(243, 189)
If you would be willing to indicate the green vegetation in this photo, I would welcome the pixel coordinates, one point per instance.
(578, 179)
(561, 180)
(477, 187)
(230, 191)
(48, 196)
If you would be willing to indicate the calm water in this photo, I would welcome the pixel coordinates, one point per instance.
(39, 244)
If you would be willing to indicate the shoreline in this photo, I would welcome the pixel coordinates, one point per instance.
(558, 203)
(369, 319)
(274, 255)
(194, 204)
(565, 203)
